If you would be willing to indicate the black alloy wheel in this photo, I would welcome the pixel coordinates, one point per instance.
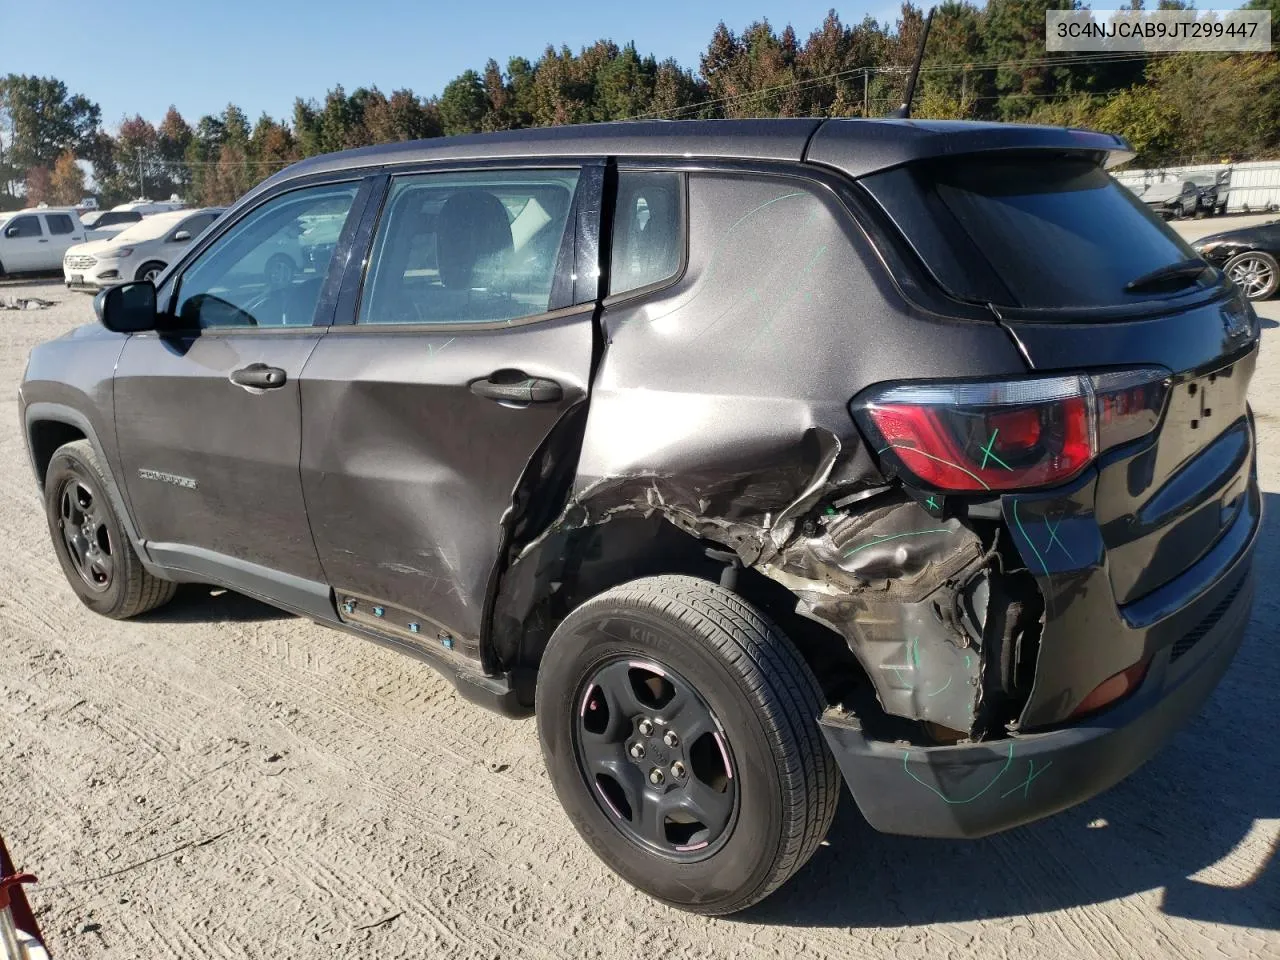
(658, 758)
(85, 533)
(92, 546)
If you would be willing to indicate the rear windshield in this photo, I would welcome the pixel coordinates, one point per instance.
(1030, 233)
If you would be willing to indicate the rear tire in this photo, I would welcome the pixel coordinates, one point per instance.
(96, 556)
(1256, 273)
(735, 683)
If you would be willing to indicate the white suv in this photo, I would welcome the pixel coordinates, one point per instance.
(36, 240)
(140, 252)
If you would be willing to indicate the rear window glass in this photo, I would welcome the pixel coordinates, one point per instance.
(1061, 233)
(59, 223)
(648, 236)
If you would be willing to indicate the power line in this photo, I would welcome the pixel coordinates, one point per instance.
(1059, 61)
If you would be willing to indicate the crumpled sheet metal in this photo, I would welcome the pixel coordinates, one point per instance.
(889, 581)
(885, 577)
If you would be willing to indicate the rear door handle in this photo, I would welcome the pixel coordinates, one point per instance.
(259, 376)
(514, 388)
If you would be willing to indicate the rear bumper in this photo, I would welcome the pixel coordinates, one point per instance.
(972, 790)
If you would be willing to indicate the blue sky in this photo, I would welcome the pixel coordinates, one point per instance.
(139, 56)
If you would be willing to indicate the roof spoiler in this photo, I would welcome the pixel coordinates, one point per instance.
(859, 148)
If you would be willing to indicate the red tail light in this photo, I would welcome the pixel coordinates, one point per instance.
(1008, 435)
(1112, 689)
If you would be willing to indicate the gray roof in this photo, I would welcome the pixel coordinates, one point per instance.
(856, 147)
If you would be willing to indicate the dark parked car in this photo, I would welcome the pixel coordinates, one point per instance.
(96, 220)
(1249, 256)
(745, 453)
(1196, 196)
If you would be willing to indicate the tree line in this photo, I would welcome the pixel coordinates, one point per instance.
(980, 63)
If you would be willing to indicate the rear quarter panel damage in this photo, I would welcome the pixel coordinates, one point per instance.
(721, 404)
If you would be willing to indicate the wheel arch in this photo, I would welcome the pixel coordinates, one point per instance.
(51, 425)
(566, 570)
(148, 263)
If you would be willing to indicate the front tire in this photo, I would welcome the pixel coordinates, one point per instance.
(680, 676)
(97, 558)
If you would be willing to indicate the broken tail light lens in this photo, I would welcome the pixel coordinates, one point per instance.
(1011, 434)
(1112, 689)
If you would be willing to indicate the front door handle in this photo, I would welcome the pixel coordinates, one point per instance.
(259, 376)
(515, 388)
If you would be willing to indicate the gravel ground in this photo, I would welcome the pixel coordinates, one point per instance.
(220, 780)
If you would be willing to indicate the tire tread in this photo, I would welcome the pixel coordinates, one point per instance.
(143, 590)
(785, 692)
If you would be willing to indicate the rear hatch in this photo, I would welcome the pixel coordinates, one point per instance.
(1085, 277)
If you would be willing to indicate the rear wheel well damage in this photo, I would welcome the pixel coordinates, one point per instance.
(925, 627)
(46, 437)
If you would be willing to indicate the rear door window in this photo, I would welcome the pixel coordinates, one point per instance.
(59, 224)
(1028, 232)
(473, 247)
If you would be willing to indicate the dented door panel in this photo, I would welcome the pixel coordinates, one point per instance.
(407, 473)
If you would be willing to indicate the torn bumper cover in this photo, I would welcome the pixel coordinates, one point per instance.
(908, 593)
(975, 789)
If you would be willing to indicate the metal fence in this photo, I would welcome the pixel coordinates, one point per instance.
(1252, 187)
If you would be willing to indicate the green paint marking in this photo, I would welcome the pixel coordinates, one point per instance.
(432, 350)
(940, 689)
(915, 652)
(715, 254)
(768, 324)
(1022, 530)
(988, 455)
(931, 503)
(895, 536)
(906, 755)
(900, 446)
(1026, 784)
(1053, 538)
(907, 685)
(968, 660)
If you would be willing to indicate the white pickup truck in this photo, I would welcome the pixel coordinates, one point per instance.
(35, 240)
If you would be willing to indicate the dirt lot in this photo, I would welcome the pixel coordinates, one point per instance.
(221, 780)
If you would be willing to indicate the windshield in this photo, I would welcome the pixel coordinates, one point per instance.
(151, 228)
(1053, 233)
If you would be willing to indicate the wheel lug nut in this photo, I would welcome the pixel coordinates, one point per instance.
(655, 776)
(637, 751)
(646, 727)
(670, 739)
(677, 770)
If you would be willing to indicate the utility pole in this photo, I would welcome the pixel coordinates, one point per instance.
(142, 182)
(866, 81)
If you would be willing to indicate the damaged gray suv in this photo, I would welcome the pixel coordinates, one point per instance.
(746, 454)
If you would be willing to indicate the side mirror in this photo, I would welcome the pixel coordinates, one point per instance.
(182, 236)
(127, 307)
(11, 232)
